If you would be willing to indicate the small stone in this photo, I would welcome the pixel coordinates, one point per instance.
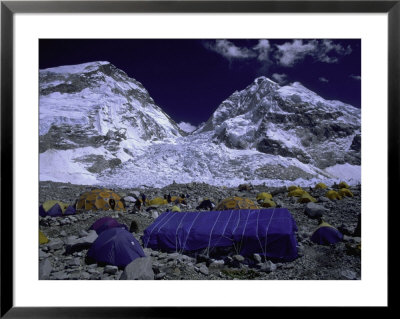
(173, 256)
(204, 270)
(75, 262)
(217, 264)
(238, 258)
(42, 254)
(44, 248)
(154, 214)
(45, 269)
(63, 233)
(85, 275)
(59, 275)
(257, 257)
(348, 274)
(268, 266)
(55, 244)
(160, 275)
(110, 269)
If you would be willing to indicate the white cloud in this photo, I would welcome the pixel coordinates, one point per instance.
(322, 79)
(355, 77)
(290, 53)
(327, 51)
(263, 47)
(230, 51)
(280, 78)
(187, 127)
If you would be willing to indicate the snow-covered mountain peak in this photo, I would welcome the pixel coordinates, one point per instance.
(100, 126)
(77, 68)
(97, 105)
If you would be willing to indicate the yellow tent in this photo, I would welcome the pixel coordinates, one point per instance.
(236, 203)
(345, 192)
(306, 198)
(42, 238)
(333, 195)
(343, 185)
(296, 192)
(293, 187)
(262, 196)
(268, 203)
(321, 186)
(99, 199)
(177, 198)
(175, 209)
(50, 203)
(158, 201)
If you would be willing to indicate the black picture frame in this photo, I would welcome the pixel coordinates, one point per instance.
(9, 8)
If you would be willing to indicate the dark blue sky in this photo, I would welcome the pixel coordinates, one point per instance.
(190, 78)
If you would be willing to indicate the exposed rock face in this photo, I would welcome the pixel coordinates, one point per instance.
(290, 121)
(96, 104)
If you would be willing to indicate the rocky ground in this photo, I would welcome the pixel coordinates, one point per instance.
(63, 257)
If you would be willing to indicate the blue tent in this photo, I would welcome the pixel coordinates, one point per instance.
(115, 246)
(268, 232)
(326, 234)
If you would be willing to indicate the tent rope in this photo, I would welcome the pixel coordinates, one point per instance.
(233, 233)
(266, 232)
(258, 237)
(155, 225)
(177, 229)
(244, 229)
(223, 233)
(184, 244)
(209, 240)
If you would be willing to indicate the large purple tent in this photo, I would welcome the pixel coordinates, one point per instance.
(115, 246)
(268, 232)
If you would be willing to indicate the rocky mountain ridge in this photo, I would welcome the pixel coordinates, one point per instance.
(98, 126)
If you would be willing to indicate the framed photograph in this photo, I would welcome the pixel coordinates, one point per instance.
(210, 147)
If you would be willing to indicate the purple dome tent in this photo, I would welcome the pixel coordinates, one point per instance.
(105, 223)
(326, 234)
(115, 246)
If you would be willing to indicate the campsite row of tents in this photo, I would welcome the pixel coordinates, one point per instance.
(236, 222)
(105, 199)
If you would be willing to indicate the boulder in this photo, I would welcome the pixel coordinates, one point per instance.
(139, 269)
(74, 244)
(314, 210)
(55, 244)
(110, 269)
